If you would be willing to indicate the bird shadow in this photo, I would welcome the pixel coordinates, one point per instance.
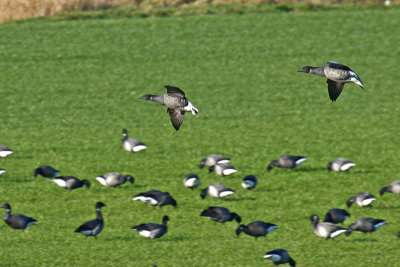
(239, 199)
(362, 240)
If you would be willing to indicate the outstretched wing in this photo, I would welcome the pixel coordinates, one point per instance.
(337, 65)
(334, 89)
(176, 117)
(174, 90)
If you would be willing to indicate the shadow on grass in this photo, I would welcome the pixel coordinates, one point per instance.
(366, 239)
(239, 199)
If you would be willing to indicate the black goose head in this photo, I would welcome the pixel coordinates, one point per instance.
(129, 179)
(350, 201)
(165, 219)
(146, 97)
(240, 229)
(86, 183)
(99, 205)
(314, 219)
(236, 217)
(202, 163)
(306, 69)
(125, 133)
(292, 262)
(384, 190)
(204, 193)
(211, 169)
(6, 206)
(273, 163)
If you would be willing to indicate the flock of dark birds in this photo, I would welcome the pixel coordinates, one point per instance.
(177, 105)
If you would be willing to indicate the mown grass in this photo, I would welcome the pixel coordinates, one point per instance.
(68, 88)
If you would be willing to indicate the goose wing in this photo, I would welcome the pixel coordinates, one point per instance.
(334, 89)
(176, 117)
(173, 90)
(337, 65)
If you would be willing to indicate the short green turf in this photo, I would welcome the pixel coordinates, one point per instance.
(68, 88)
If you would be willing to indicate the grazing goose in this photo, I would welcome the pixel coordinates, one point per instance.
(394, 188)
(222, 169)
(17, 221)
(220, 214)
(336, 216)
(46, 171)
(249, 182)
(153, 230)
(114, 179)
(156, 198)
(176, 103)
(256, 229)
(5, 151)
(326, 230)
(131, 144)
(213, 159)
(2, 171)
(191, 181)
(216, 190)
(287, 161)
(337, 75)
(340, 165)
(362, 199)
(93, 227)
(71, 182)
(365, 225)
(279, 256)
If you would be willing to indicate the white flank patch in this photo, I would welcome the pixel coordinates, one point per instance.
(226, 193)
(152, 201)
(273, 257)
(102, 181)
(223, 161)
(138, 148)
(140, 198)
(4, 154)
(248, 184)
(2, 172)
(379, 225)
(367, 201)
(86, 232)
(191, 182)
(338, 232)
(31, 223)
(145, 233)
(212, 191)
(301, 161)
(271, 228)
(347, 166)
(60, 182)
(228, 171)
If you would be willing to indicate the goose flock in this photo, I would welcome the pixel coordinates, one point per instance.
(177, 105)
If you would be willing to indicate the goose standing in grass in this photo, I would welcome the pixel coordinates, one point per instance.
(340, 165)
(2, 171)
(337, 75)
(213, 159)
(216, 190)
(287, 161)
(93, 227)
(280, 256)
(156, 198)
(191, 181)
(220, 214)
(114, 179)
(336, 216)
(249, 182)
(45, 171)
(256, 229)
(70, 182)
(363, 199)
(222, 169)
(17, 221)
(176, 102)
(153, 230)
(131, 144)
(5, 151)
(326, 230)
(365, 225)
(394, 188)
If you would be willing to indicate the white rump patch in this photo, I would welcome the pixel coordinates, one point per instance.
(191, 182)
(367, 201)
(2, 172)
(338, 232)
(86, 232)
(4, 154)
(31, 223)
(248, 184)
(101, 180)
(60, 182)
(228, 171)
(223, 161)
(301, 161)
(138, 148)
(145, 233)
(347, 166)
(271, 228)
(273, 257)
(190, 107)
(226, 193)
(379, 225)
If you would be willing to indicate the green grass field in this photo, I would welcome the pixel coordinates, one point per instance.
(68, 88)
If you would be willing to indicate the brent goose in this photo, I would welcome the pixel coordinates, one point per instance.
(256, 229)
(5, 151)
(93, 227)
(114, 179)
(46, 171)
(17, 221)
(220, 214)
(213, 159)
(336, 216)
(156, 198)
(363, 199)
(287, 161)
(153, 230)
(176, 102)
(340, 165)
(222, 169)
(337, 75)
(249, 182)
(279, 256)
(326, 230)
(394, 188)
(131, 144)
(191, 181)
(365, 225)
(70, 182)
(216, 190)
